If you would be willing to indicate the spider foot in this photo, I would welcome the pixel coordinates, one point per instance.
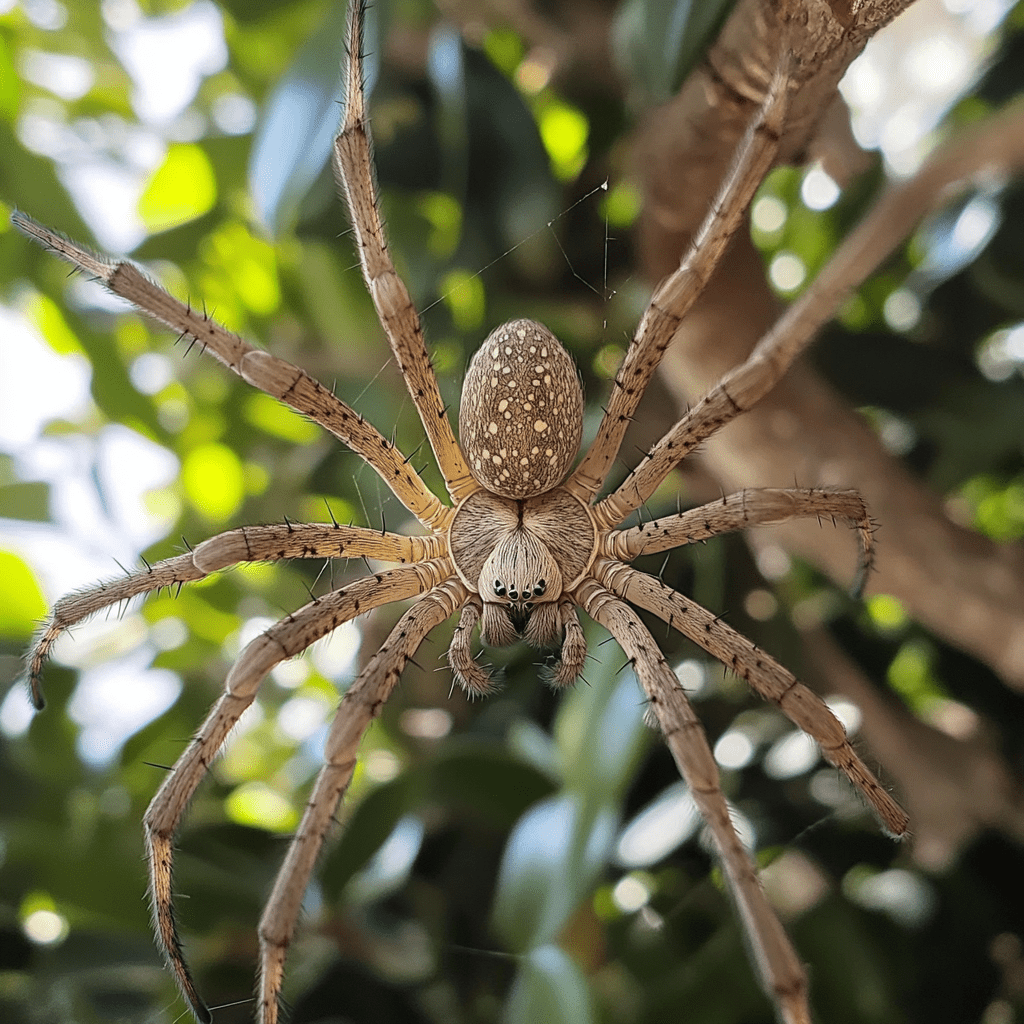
(474, 678)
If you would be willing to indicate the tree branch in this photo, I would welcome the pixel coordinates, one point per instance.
(965, 588)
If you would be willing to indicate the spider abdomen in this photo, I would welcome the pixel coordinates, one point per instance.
(521, 418)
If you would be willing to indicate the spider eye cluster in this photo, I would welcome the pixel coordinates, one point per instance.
(515, 593)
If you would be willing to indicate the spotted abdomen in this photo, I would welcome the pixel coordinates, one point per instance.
(521, 418)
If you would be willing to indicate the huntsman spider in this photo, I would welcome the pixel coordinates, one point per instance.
(523, 544)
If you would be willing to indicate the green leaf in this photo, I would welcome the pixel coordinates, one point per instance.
(184, 187)
(553, 858)
(371, 824)
(10, 84)
(47, 316)
(657, 43)
(558, 849)
(564, 130)
(213, 480)
(29, 500)
(551, 988)
(21, 601)
(389, 868)
(278, 420)
(488, 782)
(853, 972)
(605, 717)
(294, 137)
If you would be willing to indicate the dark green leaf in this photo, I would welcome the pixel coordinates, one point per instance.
(660, 41)
(549, 988)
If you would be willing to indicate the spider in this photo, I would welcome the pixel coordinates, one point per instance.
(524, 543)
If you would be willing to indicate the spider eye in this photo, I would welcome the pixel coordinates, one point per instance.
(499, 588)
(513, 595)
(539, 589)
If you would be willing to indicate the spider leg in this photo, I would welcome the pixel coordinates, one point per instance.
(354, 170)
(292, 635)
(248, 544)
(677, 293)
(754, 507)
(361, 704)
(73, 608)
(311, 540)
(762, 672)
(468, 672)
(273, 376)
(996, 145)
(780, 972)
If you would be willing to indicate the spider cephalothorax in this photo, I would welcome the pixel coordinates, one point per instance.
(524, 543)
(521, 556)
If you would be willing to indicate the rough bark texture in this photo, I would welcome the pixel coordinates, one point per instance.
(962, 586)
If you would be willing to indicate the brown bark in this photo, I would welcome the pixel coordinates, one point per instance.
(965, 588)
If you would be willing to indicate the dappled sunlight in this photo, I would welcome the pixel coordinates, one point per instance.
(791, 755)
(905, 896)
(734, 749)
(256, 804)
(907, 77)
(67, 375)
(665, 824)
(564, 130)
(631, 892)
(183, 188)
(213, 481)
(116, 699)
(41, 921)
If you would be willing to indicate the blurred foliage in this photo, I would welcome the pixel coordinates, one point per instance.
(483, 873)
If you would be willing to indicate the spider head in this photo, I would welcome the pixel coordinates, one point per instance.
(520, 585)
